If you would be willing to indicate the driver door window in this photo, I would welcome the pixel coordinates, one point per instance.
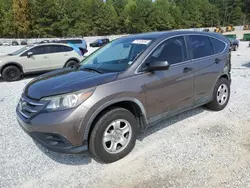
(38, 50)
(172, 50)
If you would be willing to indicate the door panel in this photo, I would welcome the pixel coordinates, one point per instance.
(36, 63)
(206, 74)
(208, 67)
(169, 91)
(59, 54)
(39, 61)
(58, 60)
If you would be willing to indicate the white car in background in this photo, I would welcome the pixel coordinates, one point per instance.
(37, 58)
(6, 44)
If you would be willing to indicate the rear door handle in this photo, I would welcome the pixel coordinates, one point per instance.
(217, 60)
(187, 69)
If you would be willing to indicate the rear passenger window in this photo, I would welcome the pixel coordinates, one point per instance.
(219, 46)
(67, 49)
(59, 48)
(172, 50)
(201, 46)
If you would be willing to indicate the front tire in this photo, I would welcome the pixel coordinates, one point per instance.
(113, 135)
(221, 95)
(72, 64)
(11, 73)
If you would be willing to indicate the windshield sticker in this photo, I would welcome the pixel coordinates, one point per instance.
(141, 41)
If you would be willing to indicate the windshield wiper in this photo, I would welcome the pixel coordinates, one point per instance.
(91, 70)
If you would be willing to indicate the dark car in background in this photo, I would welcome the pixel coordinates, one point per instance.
(123, 88)
(100, 42)
(24, 42)
(234, 44)
(14, 43)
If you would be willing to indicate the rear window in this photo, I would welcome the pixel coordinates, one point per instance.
(201, 46)
(75, 41)
(219, 46)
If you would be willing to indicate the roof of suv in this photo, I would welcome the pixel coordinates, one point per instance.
(62, 44)
(165, 34)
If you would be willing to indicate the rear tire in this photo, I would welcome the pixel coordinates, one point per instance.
(11, 73)
(236, 48)
(113, 135)
(221, 95)
(72, 64)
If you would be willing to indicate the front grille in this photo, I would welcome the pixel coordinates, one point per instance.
(28, 107)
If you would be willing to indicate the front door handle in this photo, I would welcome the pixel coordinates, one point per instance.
(187, 69)
(217, 60)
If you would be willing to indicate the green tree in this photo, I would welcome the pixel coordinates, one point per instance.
(21, 14)
(138, 15)
(119, 6)
(47, 16)
(7, 24)
(177, 15)
(161, 18)
(107, 19)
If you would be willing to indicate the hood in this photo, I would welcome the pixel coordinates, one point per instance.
(7, 58)
(65, 81)
(4, 57)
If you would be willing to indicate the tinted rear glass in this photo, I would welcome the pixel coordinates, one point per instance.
(172, 50)
(219, 46)
(201, 46)
(59, 48)
(72, 41)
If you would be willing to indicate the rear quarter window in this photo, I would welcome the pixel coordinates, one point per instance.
(218, 45)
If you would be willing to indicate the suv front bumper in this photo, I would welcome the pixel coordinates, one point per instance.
(57, 131)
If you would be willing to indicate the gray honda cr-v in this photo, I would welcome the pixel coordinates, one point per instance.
(123, 88)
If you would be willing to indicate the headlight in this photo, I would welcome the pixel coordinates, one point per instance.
(66, 101)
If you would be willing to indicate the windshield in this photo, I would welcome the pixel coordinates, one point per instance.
(116, 56)
(21, 50)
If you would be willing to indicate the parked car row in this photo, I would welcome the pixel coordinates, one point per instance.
(120, 90)
(13, 43)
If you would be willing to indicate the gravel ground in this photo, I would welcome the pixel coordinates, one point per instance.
(198, 148)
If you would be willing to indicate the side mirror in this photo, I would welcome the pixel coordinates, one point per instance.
(29, 54)
(157, 66)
